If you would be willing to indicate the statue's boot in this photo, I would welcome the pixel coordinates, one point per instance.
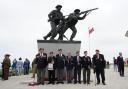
(60, 37)
(71, 39)
(45, 38)
(52, 38)
(48, 35)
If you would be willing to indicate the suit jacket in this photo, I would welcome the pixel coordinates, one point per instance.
(60, 61)
(86, 62)
(41, 61)
(69, 63)
(120, 61)
(77, 65)
(52, 59)
(99, 63)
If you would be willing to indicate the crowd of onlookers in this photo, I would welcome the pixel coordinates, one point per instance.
(16, 68)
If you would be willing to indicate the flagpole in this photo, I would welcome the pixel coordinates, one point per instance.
(89, 44)
(89, 39)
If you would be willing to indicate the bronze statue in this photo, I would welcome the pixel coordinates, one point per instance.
(54, 18)
(64, 23)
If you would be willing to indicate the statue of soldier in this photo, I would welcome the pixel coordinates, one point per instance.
(71, 21)
(55, 17)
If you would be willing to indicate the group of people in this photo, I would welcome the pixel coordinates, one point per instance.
(60, 24)
(119, 64)
(73, 65)
(21, 67)
(62, 67)
(18, 67)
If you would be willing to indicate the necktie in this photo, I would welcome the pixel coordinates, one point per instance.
(78, 59)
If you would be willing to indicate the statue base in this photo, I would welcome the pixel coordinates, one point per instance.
(54, 45)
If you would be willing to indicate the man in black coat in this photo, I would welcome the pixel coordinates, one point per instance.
(86, 64)
(69, 67)
(99, 66)
(120, 63)
(51, 68)
(77, 60)
(41, 62)
(60, 64)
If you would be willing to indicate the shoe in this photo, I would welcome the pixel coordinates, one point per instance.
(122, 75)
(98, 83)
(57, 82)
(88, 83)
(38, 83)
(62, 82)
(69, 82)
(79, 82)
(104, 83)
(53, 83)
(75, 82)
(84, 82)
(42, 83)
(49, 83)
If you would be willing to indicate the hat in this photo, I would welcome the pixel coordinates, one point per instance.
(7, 54)
(77, 10)
(59, 6)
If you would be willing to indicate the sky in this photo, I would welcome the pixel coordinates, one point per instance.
(23, 22)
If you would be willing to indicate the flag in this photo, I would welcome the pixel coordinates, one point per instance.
(126, 34)
(91, 30)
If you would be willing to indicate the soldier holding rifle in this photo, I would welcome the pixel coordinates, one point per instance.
(72, 20)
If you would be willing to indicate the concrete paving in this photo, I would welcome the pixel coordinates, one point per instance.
(113, 81)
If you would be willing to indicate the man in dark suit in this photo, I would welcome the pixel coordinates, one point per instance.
(77, 60)
(86, 64)
(99, 66)
(41, 62)
(69, 67)
(51, 68)
(120, 63)
(60, 64)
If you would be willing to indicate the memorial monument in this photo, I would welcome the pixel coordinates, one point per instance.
(59, 25)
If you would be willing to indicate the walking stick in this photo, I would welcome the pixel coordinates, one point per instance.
(94, 75)
(95, 78)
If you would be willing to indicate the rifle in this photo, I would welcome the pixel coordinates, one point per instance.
(84, 11)
(88, 11)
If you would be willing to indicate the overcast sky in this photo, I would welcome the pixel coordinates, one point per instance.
(22, 22)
